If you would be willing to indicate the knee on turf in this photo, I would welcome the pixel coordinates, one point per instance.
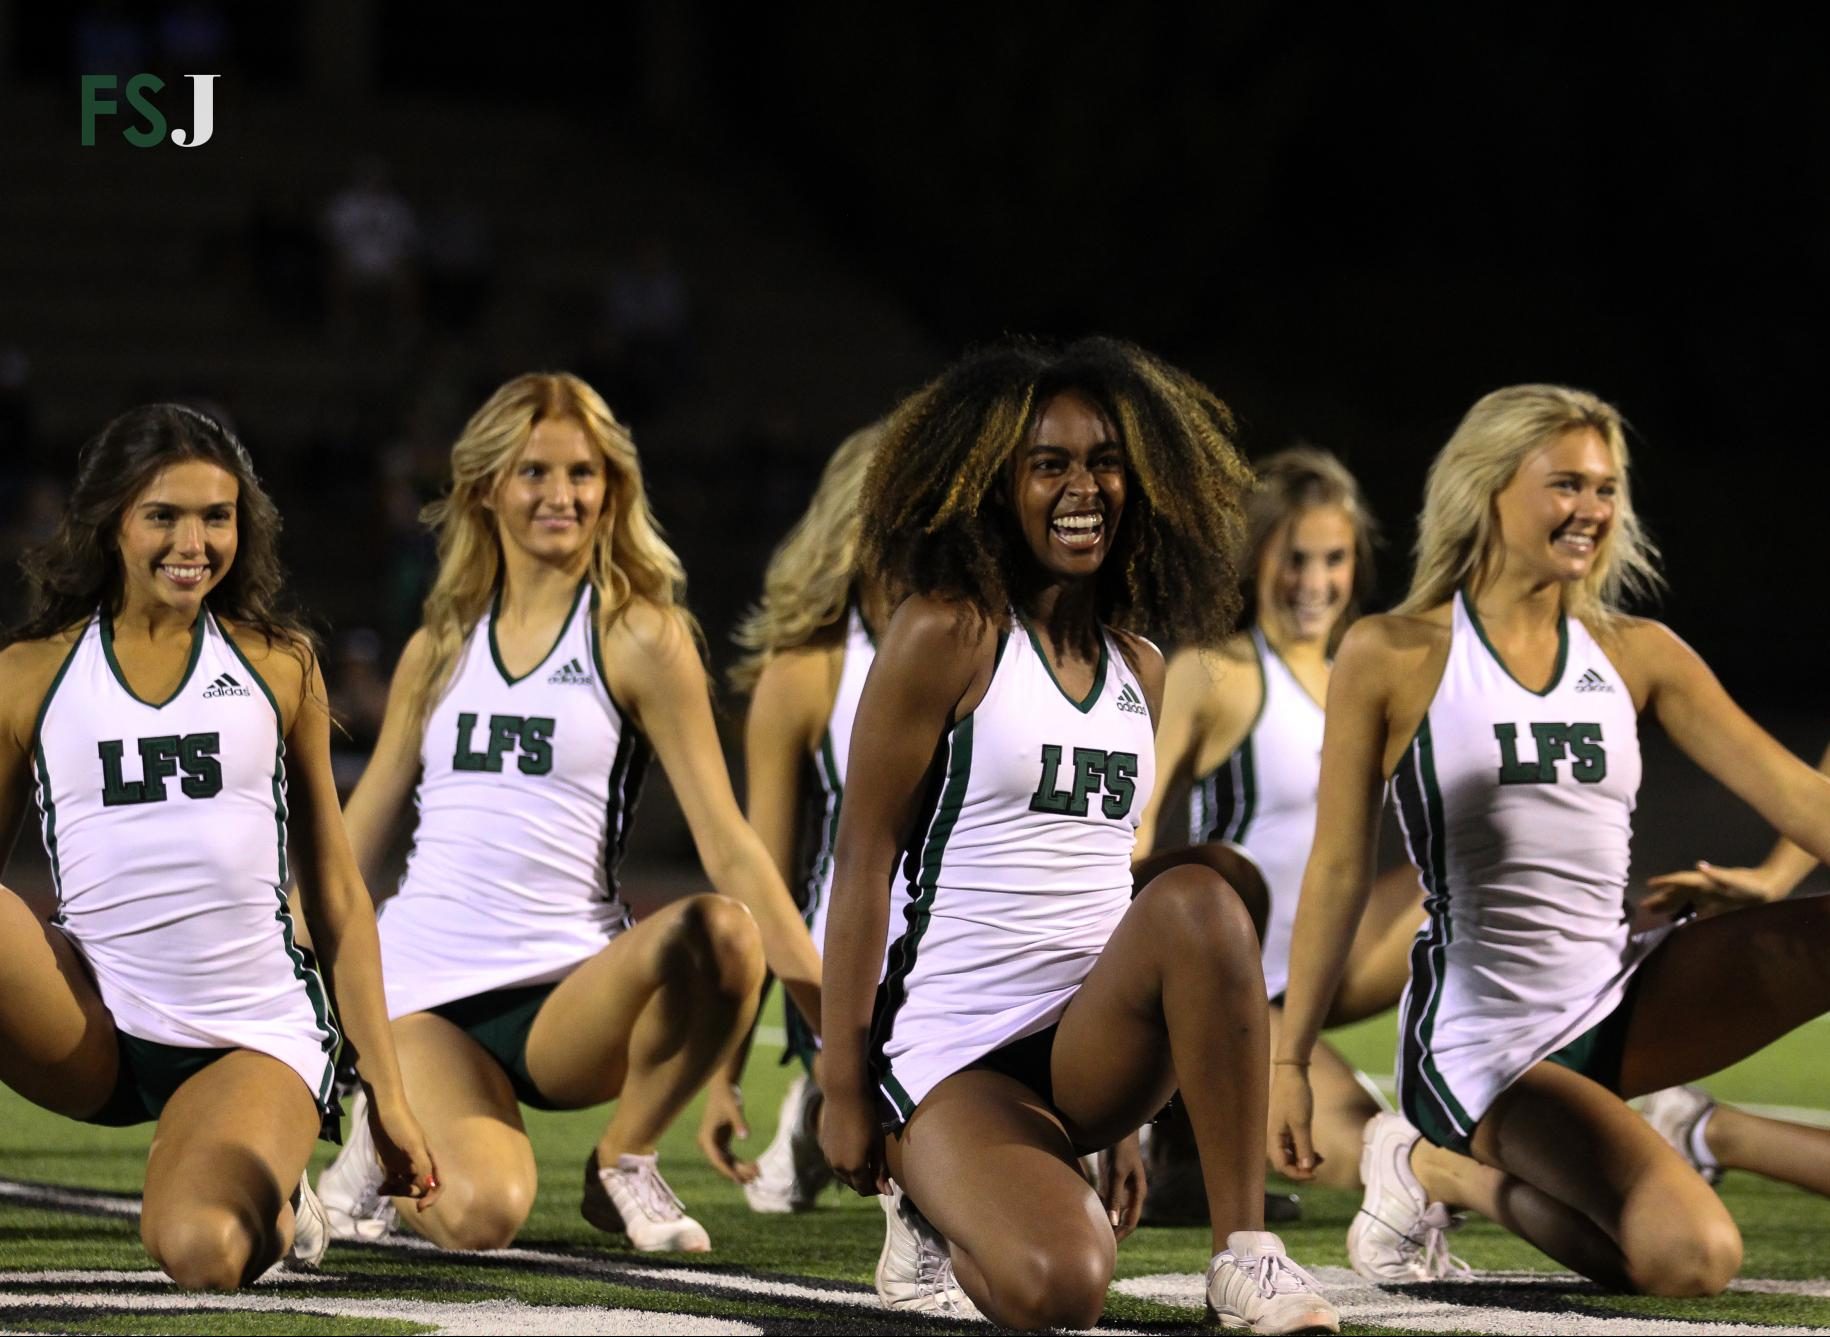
(1694, 1257)
(1198, 907)
(1060, 1285)
(725, 942)
(204, 1249)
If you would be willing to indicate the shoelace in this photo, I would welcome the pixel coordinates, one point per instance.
(651, 1193)
(1274, 1274)
(1432, 1244)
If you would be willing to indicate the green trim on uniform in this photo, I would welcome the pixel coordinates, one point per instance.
(1099, 673)
(627, 769)
(921, 868)
(1556, 674)
(496, 607)
(47, 806)
(1428, 1100)
(828, 768)
(305, 973)
(114, 664)
(279, 719)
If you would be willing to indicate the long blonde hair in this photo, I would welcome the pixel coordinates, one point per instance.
(1458, 528)
(1291, 481)
(629, 558)
(811, 575)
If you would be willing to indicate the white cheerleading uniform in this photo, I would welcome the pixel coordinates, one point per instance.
(829, 764)
(1261, 800)
(1018, 867)
(166, 828)
(1516, 807)
(526, 788)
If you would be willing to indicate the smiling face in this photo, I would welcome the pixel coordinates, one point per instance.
(177, 538)
(1305, 574)
(1556, 513)
(1068, 486)
(549, 503)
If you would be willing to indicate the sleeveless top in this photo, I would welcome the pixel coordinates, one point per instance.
(1018, 866)
(526, 790)
(165, 823)
(1516, 807)
(829, 765)
(1261, 800)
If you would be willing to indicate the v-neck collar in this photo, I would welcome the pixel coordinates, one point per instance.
(495, 652)
(1099, 671)
(114, 664)
(1556, 673)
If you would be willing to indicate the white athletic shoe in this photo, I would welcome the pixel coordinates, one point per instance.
(630, 1198)
(792, 1170)
(915, 1271)
(1676, 1113)
(310, 1230)
(351, 1185)
(1398, 1234)
(1254, 1285)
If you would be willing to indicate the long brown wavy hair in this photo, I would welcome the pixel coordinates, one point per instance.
(629, 558)
(934, 523)
(77, 570)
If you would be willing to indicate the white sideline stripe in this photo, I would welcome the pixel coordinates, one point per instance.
(1361, 1302)
(476, 1319)
(1805, 1114)
(772, 1035)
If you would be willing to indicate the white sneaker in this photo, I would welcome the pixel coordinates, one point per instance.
(792, 1170)
(1676, 1113)
(915, 1271)
(1254, 1285)
(351, 1185)
(310, 1230)
(630, 1198)
(1398, 1234)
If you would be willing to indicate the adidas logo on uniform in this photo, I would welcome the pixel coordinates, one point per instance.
(226, 684)
(1591, 681)
(1128, 701)
(571, 672)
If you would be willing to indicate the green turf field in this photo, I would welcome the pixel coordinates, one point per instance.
(72, 1262)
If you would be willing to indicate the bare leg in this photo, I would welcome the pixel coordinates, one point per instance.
(1242, 875)
(57, 1041)
(230, 1148)
(990, 1164)
(467, 1106)
(1791, 1153)
(649, 1019)
(1176, 999)
(1653, 1225)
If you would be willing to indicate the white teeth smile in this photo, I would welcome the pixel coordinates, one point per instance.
(1078, 531)
(1583, 543)
(185, 575)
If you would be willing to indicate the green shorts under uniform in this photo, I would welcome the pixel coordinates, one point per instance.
(148, 1073)
(500, 1021)
(145, 1078)
(1597, 1054)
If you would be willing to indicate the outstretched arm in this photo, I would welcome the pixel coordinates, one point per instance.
(1336, 883)
(1718, 735)
(924, 670)
(655, 670)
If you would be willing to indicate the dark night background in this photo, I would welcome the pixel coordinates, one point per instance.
(1351, 224)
